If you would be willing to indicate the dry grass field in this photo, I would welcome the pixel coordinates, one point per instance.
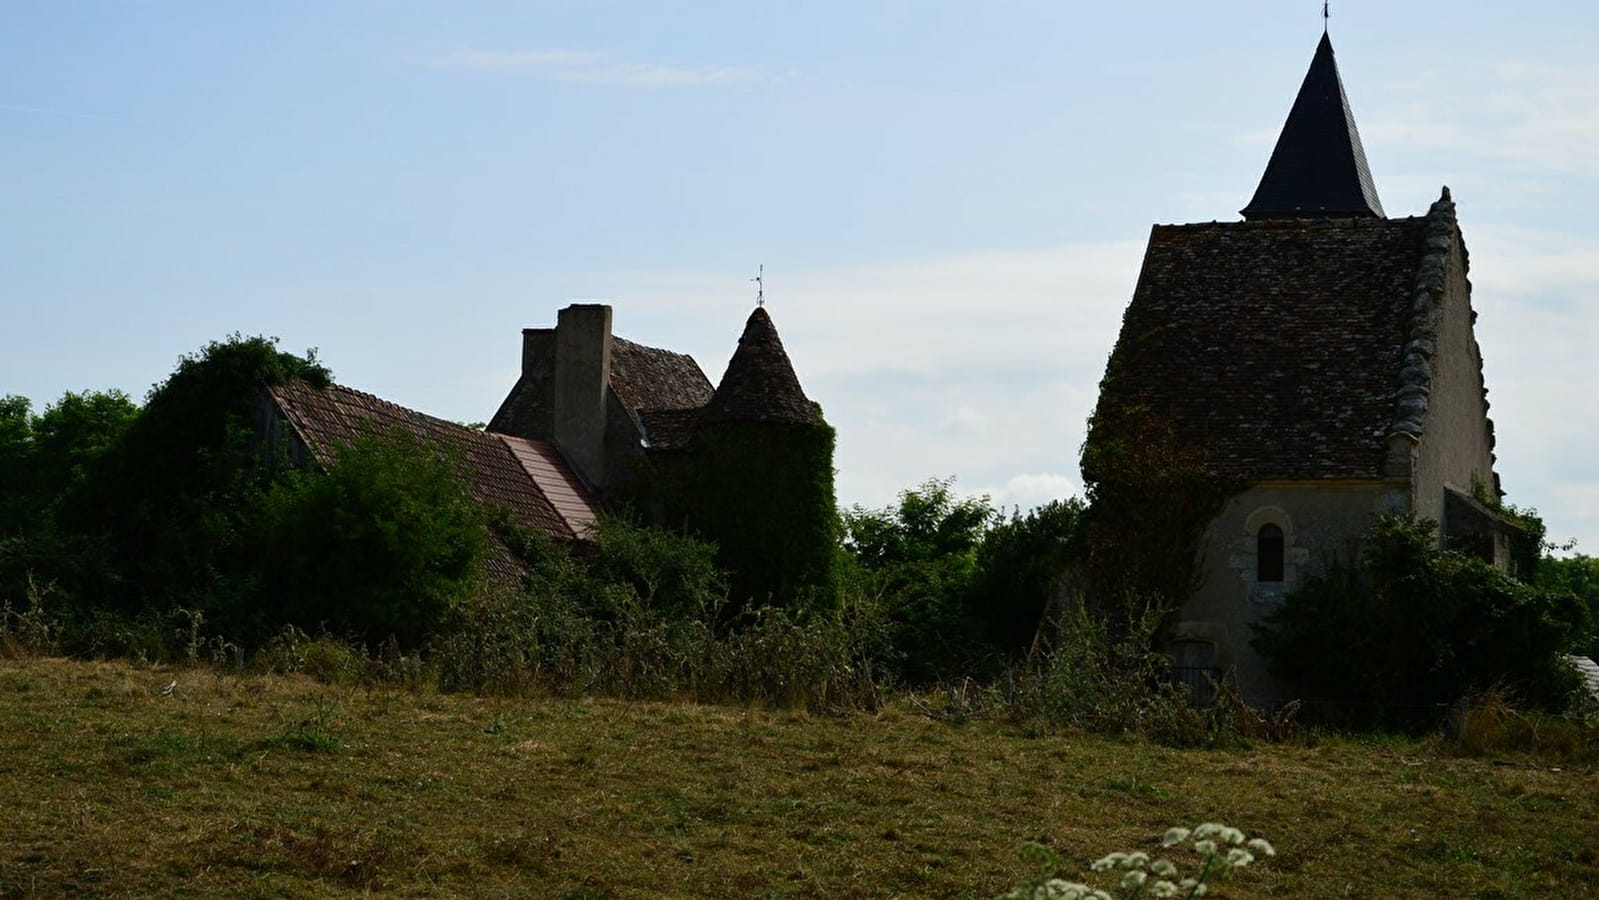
(258, 786)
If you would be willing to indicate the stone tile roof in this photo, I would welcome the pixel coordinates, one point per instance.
(759, 384)
(1318, 167)
(669, 429)
(652, 378)
(1274, 346)
(529, 479)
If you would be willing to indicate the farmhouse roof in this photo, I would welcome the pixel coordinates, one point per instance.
(759, 384)
(1318, 167)
(1274, 347)
(527, 478)
(669, 429)
(649, 378)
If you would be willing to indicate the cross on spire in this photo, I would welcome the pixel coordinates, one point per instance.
(1324, 16)
(760, 285)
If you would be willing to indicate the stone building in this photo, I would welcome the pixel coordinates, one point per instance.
(747, 464)
(1318, 354)
(527, 478)
(595, 421)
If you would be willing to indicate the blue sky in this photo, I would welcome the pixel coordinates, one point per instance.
(950, 200)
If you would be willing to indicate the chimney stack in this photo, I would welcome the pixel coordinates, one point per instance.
(582, 379)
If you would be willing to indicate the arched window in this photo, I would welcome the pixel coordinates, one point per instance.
(1269, 553)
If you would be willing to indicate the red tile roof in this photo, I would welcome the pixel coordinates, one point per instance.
(528, 479)
(556, 480)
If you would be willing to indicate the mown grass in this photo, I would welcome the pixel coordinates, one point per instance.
(259, 786)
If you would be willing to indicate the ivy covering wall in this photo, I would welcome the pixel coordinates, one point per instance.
(763, 493)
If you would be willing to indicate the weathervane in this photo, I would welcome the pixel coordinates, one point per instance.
(760, 285)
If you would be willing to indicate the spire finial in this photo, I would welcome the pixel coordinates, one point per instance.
(1324, 16)
(760, 285)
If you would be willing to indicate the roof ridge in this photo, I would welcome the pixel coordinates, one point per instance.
(1426, 309)
(448, 423)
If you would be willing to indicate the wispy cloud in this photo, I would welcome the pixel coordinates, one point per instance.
(656, 76)
(1532, 116)
(983, 365)
(497, 59)
(587, 67)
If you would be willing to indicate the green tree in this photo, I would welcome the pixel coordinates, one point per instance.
(387, 541)
(163, 508)
(1020, 562)
(73, 433)
(43, 458)
(921, 556)
(16, 463)
(1578, 574)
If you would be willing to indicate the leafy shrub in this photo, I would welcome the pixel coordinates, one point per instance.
(1415, 628)
(1021, 563)
(643, 614)
(387, 541)
(1110, 681)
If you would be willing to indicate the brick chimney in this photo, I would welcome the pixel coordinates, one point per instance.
(582, 380)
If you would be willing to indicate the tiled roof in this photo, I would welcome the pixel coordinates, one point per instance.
(652, 378)
(1318, 167)
(528, 479)
(1273, 347)
(760, 384)
(669, 429)
(556, 481)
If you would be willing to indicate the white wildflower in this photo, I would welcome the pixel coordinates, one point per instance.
(1163, 867)
(1163, 889)
(1208, 829)
(1261, 846)
(1231, 835)
(1205, 848)
(1106, 863)
(1134, 880)
(1238, 857)
(1174, 836)
(1136, 860)
(1058, 889)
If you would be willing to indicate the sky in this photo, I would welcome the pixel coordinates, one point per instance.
(950, 200)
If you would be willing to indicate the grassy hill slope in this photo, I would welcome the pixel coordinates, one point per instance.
(257, 786)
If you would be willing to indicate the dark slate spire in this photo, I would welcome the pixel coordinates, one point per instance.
(1318, 167)
(759, 385)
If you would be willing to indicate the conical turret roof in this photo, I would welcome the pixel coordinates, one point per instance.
(1318, 168)
(760, 384)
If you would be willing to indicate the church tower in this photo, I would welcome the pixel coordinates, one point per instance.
(1318, 167)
